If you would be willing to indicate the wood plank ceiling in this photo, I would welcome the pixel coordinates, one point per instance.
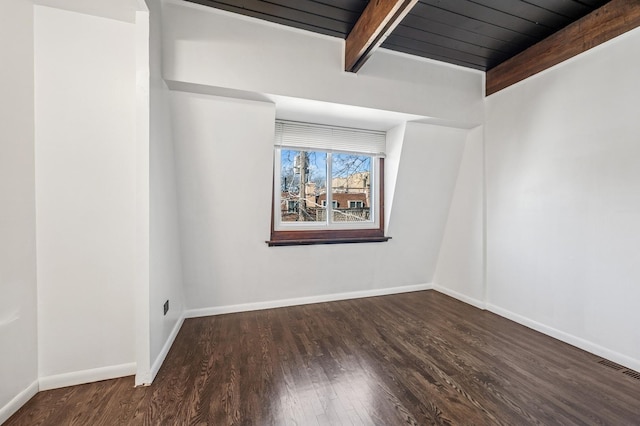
(509, 39)
(478, 34)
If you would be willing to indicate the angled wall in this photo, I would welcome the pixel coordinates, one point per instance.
(460, 270)
(224, 171)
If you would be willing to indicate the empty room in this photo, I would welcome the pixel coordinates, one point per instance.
(319, 212)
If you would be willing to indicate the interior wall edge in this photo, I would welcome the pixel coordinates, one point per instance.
(157, 364)
(256, 306)
(570, 339)
(18, 401)
(142, 280)
(86, 376)
(460, 296)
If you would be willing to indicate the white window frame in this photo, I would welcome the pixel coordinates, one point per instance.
(329, 224)
(359, 204)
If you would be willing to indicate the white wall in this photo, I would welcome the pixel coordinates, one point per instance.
(225, 259)
(224, 170)
(219, 49)
(18, 333)
(164, 239)
(460, 271)
(142, 288)
(85, 104)
(563, 200)
(122, 10)
(562, 183)
(427, 171)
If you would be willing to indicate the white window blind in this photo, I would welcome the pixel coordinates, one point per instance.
(313, 136)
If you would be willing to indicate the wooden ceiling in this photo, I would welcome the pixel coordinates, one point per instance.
(509, 39)
(478, 34)
(484, 33)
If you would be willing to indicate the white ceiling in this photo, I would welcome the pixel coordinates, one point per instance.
(311, 111)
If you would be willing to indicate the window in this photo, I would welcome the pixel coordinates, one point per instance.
(328, 185)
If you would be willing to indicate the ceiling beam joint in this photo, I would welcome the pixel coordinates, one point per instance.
(601, 25)
(377, 21)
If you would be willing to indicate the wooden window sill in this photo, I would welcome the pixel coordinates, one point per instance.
(312, 241)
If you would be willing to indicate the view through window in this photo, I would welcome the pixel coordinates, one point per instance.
(325, 187)
(327, 184)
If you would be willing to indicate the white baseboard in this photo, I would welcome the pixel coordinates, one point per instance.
(578, 342)
(461, 297)
(246, 307)
(18, 401)
(87, 376)
(155, 367)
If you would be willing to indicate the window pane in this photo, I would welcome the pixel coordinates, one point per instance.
(303, 183)
(351, 187)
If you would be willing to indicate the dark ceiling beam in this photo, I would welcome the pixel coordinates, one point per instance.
(603, 24)
(378, 19)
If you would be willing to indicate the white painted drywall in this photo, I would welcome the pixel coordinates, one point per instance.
(123, 10)
(563, 200)
(224, 155)
(425, 183)
(214, 48)
(460, 271)
(165, 261)
(18, 332)
(85, 108)
(393, 154)
(141, 284)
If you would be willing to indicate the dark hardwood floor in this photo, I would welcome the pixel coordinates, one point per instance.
(416, 358)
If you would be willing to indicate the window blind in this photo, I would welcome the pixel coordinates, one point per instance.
(314, 136)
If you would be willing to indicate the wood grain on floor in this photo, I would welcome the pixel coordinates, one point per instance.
(416, 358)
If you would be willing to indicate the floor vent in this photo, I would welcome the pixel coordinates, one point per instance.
(618, 367)
(610, 364)
(632, 373)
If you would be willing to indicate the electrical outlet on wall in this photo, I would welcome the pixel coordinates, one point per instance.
(166, 307)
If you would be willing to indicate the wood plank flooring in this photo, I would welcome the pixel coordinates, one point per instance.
(416, 358)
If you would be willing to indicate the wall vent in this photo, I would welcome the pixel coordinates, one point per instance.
(610, 364)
